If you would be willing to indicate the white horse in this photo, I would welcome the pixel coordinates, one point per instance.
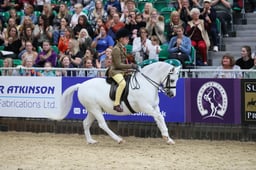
(94, 96)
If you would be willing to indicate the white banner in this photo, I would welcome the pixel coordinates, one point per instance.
(35, 97)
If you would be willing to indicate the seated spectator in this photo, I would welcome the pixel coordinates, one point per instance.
(113, 3)
(228, 63)
(47, 11)
(111, 13)
(131, 6)
(107, 60)
(88, 5)
(147, 11)
(65, 62)
(43, 31)
(64, 39)
(223, 10)
(13, 15)
(84, 40)
(115, 25)
(29, 11)
(11, 23)
(48, 54)
(29, 52)
(27, 69)
(139, 45)
(174, 22)
(97, 12)
(92, 53)
(83, 23)
(124, 15)
(62, 13)
(29, 36)
(102, 41)
(245, 61)
(40, 3)
(91, 71)
(252, 75)
(74, 52)
(6, 65)
(48, 70)
(197, 31)
(78, 12)
(27, 22)
(13, 42)
(155, 26)
(96, 29)
(180, 46)
(209, 16)
(60, 31)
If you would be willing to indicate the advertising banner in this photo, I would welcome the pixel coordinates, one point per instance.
(213, 100)
(248, 101)
(171, 108)
(34, 97)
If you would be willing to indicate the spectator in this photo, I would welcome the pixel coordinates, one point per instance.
(13, 14)
(113, 4)
(74, 52)
(223, 10)
(64, 39)
(99, 23)
(29, 11)
(43, 31)
(153, 49)
(131, 26)
(83, 23)
(245, 61)
(148, 7)
(209, 16)
(174, 22)
(47, 11)
(48, 54)
(13, 42)
(90, 70)
(62, 13)
(124, 15)
(98, 12)
(78, 12)
(48, 70)
(60, 31)
(28, 63)
(106, 60)
(27, 22)
(184, 11)
(92, 53)
(111, 13)
(29, 36)
(11, 23)
(84, 40)
(40, 3)
(102, 41)
(88, 5)
(7, 64)
(155, 26)
(252, 75)
(131, 6)
(115, 25)
(228, 63)
(180, 46)
(29, 52)
(196, 30)
(140, 44)
(65, 62)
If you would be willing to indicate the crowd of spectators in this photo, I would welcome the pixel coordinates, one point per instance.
(84, 31)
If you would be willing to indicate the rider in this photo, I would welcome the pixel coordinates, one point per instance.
(119, 65)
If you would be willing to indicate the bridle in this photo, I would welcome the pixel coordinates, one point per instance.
(165, 89)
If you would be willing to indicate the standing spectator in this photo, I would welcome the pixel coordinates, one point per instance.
(154, 48)
(223, 10)
(184, 11)
(174, 22)
(180, 46)
(140, 44)
(64, 39)
(84, 40)
(78, 12)
(245, 61)
(228, 63)
(155, 26)
(102, 41)
(48, 54)
(98, 12)
(43, 31)
(74, 52)
(197, 32)
(83, 23)
(209, 16)
(90, 69)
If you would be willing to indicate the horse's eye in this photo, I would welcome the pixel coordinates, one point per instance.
(172, 80)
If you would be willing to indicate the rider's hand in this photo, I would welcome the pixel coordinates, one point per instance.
(135, 67)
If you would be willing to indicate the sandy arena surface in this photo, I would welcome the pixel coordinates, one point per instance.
(35, 151)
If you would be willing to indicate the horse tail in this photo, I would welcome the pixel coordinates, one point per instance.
(66, 102)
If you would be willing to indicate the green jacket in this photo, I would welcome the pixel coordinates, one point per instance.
(118, 61)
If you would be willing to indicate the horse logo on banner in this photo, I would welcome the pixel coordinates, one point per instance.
(212, 100)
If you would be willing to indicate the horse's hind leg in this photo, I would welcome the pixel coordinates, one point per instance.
(103, 125)
(87, 124)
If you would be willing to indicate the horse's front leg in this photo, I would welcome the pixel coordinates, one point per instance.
(103, 125)
(87, 124)
(158, 117)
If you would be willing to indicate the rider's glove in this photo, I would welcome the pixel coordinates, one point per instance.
(135, 67)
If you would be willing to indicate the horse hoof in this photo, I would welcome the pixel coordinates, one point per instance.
(170, 142)
(121, 141)
(92, 142)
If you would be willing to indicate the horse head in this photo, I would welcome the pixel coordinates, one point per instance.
(169, 83)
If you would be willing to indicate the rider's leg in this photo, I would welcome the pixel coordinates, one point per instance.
(121, 85)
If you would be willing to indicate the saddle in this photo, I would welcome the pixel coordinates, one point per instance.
(124, 96)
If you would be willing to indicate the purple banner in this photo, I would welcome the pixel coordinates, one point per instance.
(213, 101)
(171, 108)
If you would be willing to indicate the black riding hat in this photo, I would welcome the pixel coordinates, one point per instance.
(122, 33)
